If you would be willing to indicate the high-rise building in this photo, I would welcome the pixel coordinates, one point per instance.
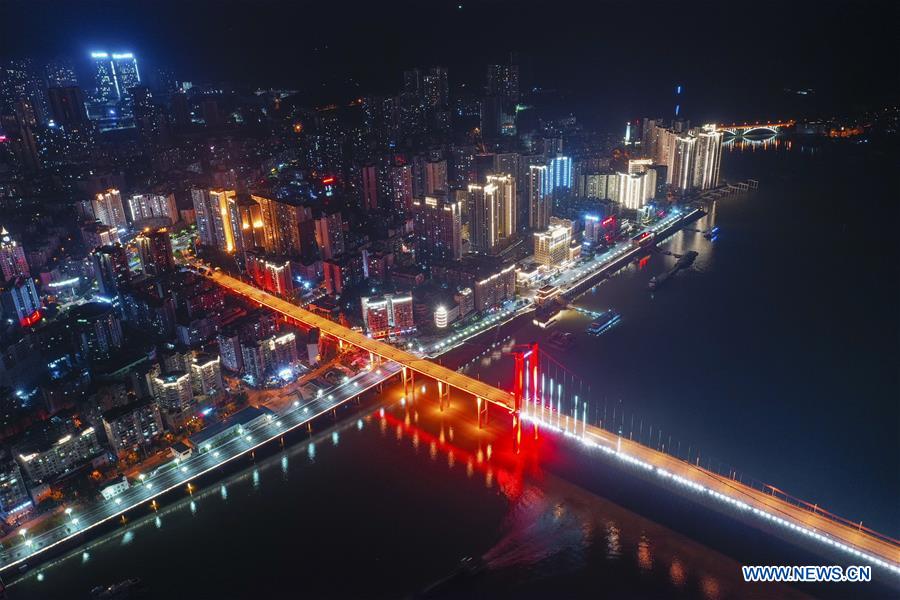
(107, 207)
(67, 106)
(111, 269)
(288, 226)
(540, 200)
(559, 173)
(206, 375)
(126, 71)
(401, 188)
(219, 221)
(173, 392)
(230, 351)
(269, 273)
(330, 235)
(435, 88)
(96, 234)
(503, 81)
(386, 315)
(61, 73)
(12, 257)
(22, 90)
(133, 427)
(54, 447)
(106, 88)
(435, 176)
(681, 168)
(551, 247)
(369, 185)
(636, 189)
(599, 185)
(708, 160)
(153, 206)
(493, 219)
(256, 360)
(438, 228)
(155, 249)
(20, 301)
(97, 330)
(15, 501)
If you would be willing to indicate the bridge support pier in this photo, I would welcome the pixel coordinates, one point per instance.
(443, 394)
(408, 382)
(482, 411)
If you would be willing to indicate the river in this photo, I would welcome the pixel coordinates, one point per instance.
(776, 352)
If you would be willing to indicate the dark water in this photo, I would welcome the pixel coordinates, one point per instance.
(777, 351)
(386, 507)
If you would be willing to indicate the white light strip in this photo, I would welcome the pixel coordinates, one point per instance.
(388, 370)
(701, 489)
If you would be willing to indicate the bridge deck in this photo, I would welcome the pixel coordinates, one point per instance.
(355, 338)
(840, 532)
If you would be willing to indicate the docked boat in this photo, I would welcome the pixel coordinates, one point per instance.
(117, 591)
(562, 339)
(606, 322)
(684, 262)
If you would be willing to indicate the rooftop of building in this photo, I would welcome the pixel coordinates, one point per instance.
(118, 412)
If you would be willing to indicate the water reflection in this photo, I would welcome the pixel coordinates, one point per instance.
(644, 558)
(676, 573)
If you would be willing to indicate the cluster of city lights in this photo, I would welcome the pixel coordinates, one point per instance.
(195, 466)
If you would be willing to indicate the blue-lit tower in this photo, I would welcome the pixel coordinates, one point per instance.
(560, 173)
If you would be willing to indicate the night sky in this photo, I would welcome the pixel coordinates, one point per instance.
(610, 59)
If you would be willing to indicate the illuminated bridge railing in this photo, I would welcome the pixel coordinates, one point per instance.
(25, 548)
(555, 398)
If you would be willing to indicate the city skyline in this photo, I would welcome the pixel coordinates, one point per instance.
(591, 294)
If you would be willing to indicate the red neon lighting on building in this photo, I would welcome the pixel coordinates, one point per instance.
(608, 221)
(31, 319)
(328, 180)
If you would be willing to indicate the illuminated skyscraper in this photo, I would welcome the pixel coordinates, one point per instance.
(551, 247)
(438, 228)
(681, 168)
(152, 206)
(539, 198)
(401, 188)
(288, 225)
(708, 158)
(559, 172)
(107, 207)
(114, 75)
(22, 91)
(61, 73)
(126, 71)
(219, 220)
(20, 301)
(493, 221)
(12, 257)
(503, 81)
(635, 189)
(105, 87)
(387, 315)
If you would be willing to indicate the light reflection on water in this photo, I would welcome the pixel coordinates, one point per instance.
(549, 529)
